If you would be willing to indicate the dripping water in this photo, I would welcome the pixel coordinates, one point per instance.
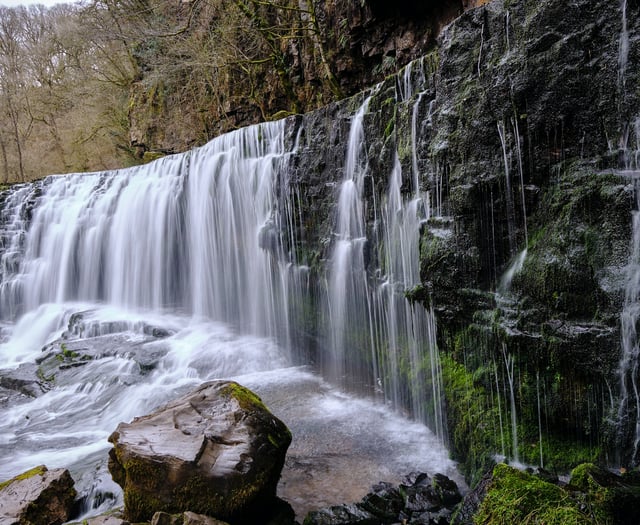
(509, 365)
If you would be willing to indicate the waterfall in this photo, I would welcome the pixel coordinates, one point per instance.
(410, 328)
(509, 363)
(197, 232)
(629, 406)
(623, 47)
(511, 219)
(186, 269)
(349, 301)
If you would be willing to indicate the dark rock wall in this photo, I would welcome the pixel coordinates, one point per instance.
(522, 115)
(362, 42)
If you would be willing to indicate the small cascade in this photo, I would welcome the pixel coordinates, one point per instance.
(375, 333)
(509, 365)
(539, 418)
(410, 329)
(498, 398)
(623, 48)
(349, 306)
(629, 368)
(511, 218)
(628, 148)
(514, 268)
(523, 202)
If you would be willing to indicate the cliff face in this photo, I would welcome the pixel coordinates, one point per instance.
(521, 126)
(261, 60)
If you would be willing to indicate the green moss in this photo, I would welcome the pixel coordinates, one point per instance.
(472, 420)
(36, 471)
(558, 455)
(140, 507)
(281, 114)
(517, 497)
(245, 397)
(391, 124)
(45, 378)
(609, 498)
(147, 474)
(66, 353)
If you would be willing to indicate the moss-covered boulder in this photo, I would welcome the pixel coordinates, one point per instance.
(609, 498)
(593, 495)
(216, 451)
(37, 497)
(514, 496)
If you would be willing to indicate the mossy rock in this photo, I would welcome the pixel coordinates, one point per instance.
(216, 451)
(38, 496)
(610, 498)
(515, 496)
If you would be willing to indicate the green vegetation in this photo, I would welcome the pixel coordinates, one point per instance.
(245, 397)
(518, 497)
(472, 420)
(479, 409)
(608, 498)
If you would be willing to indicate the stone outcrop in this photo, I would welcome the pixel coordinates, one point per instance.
(419, 499)
(37, 497)
(216, 451)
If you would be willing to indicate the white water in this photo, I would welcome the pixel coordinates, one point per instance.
(623, 47)
(511, 219)
(629, 407)
(504, 286)
(349, 298)
(509, 364)
(373, 318)
(174, 273)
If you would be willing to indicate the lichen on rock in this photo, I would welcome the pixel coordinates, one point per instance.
(37, 497)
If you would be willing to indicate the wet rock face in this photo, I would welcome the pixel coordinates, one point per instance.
(37, 497)
(419, 499)
(216, 451)
(523, 118)
(364, 41)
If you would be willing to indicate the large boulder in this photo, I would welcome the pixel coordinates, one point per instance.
(37, 497)
(216, 451)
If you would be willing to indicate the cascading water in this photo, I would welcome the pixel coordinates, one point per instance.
(629, 406)
(119, 290)
(349, 305)
(376, 333)
(628, 416)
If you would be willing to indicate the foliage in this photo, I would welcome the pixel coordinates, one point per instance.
(518, 497)
(472, 420)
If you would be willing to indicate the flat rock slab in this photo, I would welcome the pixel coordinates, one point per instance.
(105, 520)
(188, 518)
(37, 497)
(216, 451)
